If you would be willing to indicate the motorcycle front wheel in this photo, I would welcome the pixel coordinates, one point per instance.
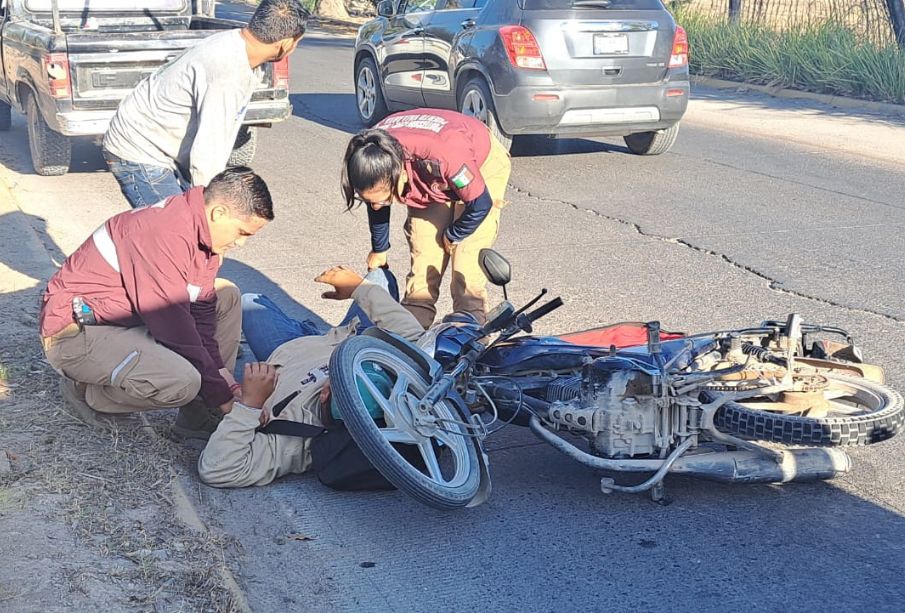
(368, 377)
(830, 410)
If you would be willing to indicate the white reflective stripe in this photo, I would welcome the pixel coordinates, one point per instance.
(194, 292)
(105, 246)
(122, 365)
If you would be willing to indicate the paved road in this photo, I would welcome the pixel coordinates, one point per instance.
(727, 229)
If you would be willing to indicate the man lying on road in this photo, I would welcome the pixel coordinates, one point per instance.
(136, 318)
(236, 455)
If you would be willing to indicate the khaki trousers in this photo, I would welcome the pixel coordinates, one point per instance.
(126, 370)
(424, 230)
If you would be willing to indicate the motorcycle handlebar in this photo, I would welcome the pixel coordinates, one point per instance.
(544, 310)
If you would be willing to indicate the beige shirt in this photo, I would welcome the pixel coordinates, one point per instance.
(237, 456)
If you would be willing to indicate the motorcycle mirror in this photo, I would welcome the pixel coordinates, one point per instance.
(495, 267)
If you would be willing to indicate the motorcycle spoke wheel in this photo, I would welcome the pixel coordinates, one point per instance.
(848, 411)
(428, 454)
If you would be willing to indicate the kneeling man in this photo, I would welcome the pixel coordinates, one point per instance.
(137, 319)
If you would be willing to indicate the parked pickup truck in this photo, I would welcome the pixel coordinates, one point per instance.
(68, 63)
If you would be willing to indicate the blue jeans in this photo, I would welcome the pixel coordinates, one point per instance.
(144, 184)
(266, 326)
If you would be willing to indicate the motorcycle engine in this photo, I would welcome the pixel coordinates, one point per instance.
(615, 403)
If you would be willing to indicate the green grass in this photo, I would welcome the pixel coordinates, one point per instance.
(825, 58)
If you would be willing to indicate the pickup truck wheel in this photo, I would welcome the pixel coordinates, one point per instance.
(652, 143)
(244, 149)
(50, 152)
(476, 101)
(6, 117)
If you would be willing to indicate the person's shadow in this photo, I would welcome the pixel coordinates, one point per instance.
(24, 271)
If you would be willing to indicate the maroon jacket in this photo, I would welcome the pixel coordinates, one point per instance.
(444, 151)
(149, 267)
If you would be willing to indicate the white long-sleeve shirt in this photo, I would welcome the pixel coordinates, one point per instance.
(186, 116)
(237, 456)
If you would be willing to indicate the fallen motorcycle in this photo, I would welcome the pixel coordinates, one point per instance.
(767, 404)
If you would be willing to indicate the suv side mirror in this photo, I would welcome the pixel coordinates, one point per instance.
(386, 8)
(495, 267)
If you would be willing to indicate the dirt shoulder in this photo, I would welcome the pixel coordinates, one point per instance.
(90, 519)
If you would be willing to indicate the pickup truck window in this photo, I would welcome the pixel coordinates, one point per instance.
(96, 6)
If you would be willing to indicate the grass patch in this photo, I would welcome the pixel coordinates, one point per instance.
(109, 492)
(823, 57)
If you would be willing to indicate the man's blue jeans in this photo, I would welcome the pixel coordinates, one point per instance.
(266, 326)
(144, 184)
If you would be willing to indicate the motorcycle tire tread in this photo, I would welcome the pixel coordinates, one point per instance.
(385, 458)
(823, 432)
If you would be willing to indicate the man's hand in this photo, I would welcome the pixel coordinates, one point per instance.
(258, 382)
(228, 377)
(376, 260)
(344, 281)
(226, 407)
(448, 245)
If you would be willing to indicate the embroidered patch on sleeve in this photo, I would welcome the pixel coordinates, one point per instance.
(463, 178)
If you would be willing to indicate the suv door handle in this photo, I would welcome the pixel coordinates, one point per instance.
(468, 23)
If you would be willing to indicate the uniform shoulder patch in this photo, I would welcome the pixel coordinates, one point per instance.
(463, 178)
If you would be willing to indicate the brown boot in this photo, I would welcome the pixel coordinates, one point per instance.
(74, 403)
(196, 421)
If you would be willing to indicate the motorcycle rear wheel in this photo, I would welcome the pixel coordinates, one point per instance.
(861, 412)
(448, 480)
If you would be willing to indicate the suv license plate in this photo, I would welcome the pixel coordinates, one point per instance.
(608, 43)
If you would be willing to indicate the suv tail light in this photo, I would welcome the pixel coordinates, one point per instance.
(522, 48)
(679, 56)
(56, 67)
(281, 73)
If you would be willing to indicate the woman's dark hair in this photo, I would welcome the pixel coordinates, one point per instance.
(372, 158)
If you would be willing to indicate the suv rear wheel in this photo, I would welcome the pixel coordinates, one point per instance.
(475, 100)
(368, 95)
(652, 143)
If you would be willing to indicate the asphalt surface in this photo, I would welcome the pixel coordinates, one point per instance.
(726, 230)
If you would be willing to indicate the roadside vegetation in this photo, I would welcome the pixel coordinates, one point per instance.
(823, 57)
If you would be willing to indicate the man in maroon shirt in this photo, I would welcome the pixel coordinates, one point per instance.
(136, 318)
(451, 174)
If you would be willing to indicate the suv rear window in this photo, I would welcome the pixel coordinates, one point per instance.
(619, 5)
(100, 6)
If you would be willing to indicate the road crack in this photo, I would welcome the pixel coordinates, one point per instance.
(774, 285)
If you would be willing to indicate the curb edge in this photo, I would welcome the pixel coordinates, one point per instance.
(794, 94)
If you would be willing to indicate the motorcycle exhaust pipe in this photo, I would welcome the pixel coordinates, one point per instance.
(814, 464)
